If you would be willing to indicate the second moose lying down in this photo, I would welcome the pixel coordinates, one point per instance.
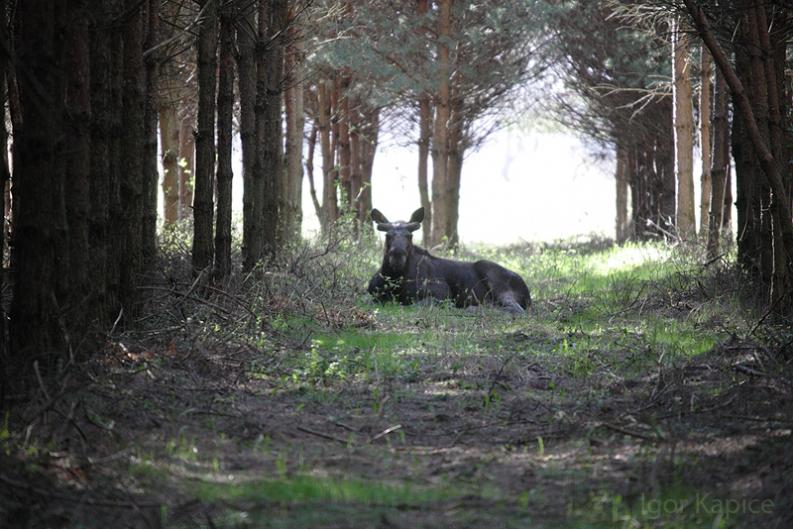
(410, 274)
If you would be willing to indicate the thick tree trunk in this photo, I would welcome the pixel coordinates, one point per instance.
(329, 198)
(225, 111)
(295, 124)
(246, 67)
(203, 201)
(151, 174)
(105, 140)
(37, 259)
(684, 134)
(706, 71)
(721, 165)
(169, 136)
(273, 156)
(132, 149)
(78, 160)
(440, 146)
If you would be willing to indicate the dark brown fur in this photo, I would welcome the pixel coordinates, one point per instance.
(410, 274)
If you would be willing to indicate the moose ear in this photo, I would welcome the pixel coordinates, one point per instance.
(378, 217)
(417, 216)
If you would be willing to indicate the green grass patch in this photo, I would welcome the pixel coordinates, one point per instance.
(312, 489)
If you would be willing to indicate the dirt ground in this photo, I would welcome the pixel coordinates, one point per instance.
(413, 417)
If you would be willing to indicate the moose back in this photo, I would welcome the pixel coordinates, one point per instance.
(410, 274)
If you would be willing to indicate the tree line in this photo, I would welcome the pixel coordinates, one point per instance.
(103, 95)
(632, 67)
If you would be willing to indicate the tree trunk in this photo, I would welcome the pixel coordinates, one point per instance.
(312, 144)
(454, 168)
(621, 177)
(246, 67)
(425, 132)
(356, 168)
(369, 139)
(273, 156)
(187, 149)
(151, 174)
(106, 132)
(440, 147)
(203, 201)
(425, 126)
(343, 119)
(225, 111)
(721, 165)
(5, 177)
(169, 136)
(706, 71)
(684, 134)
(295, 124)
(132, 149)
(40, 229)
(329, 199)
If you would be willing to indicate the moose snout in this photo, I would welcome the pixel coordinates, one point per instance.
(397, 259)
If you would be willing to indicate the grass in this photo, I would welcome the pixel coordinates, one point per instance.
(313, 489)
(331, 411)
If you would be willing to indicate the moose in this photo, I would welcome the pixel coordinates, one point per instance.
(410, 274)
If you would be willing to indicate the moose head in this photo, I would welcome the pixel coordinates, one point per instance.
(398, 239)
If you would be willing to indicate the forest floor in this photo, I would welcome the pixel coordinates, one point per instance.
(641, 391)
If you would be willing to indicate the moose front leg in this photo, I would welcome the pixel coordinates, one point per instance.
(381, 289)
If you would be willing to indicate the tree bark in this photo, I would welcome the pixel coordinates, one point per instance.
(187, 149)
(225, 116)
(169, 136)
(295, 124)
(78, 159)
(246, 67)
(132, 149)
(721, 166)
(5, 177)
(312, 144)
(684, 134)
(203, 201)
(425, 126)
(454, 168)
(40, 228)
(621, 177)
(329, 198)
(440, 147)
(151, 174)
(370, 135)
(706, 71)
(343, 119)
(273, 157)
